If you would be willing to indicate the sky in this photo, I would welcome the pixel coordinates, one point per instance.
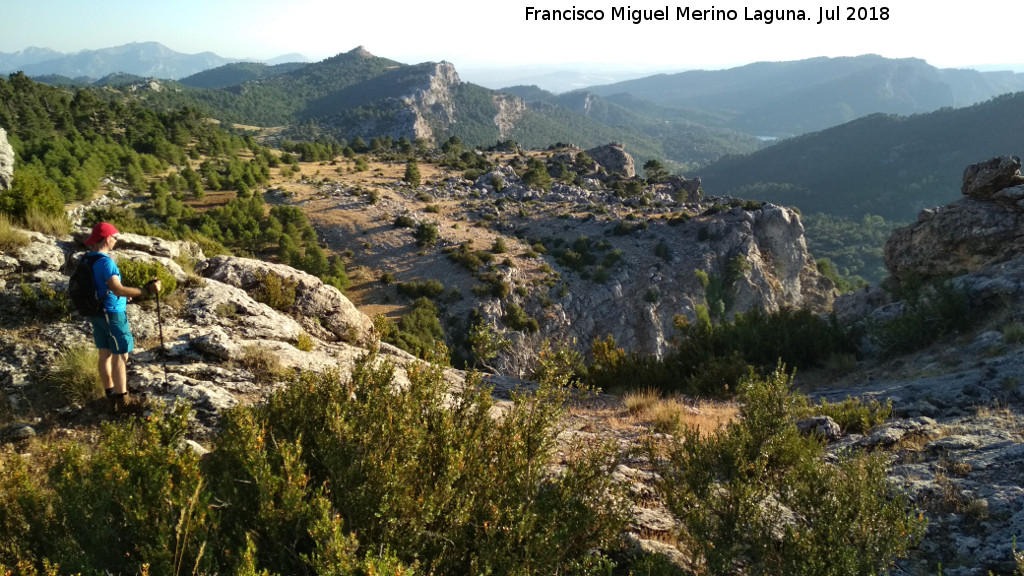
(498, 34)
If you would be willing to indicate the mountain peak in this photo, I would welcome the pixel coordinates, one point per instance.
(361, 52)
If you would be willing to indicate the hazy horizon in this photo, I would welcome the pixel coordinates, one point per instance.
(551, 76)
(504, 36)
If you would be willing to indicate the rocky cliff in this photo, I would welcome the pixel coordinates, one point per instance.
(433, 99)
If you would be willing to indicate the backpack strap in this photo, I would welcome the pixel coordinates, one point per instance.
(90, 259)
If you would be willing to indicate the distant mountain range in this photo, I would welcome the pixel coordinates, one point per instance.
(146, 59)
(854, 135)
(783, 99)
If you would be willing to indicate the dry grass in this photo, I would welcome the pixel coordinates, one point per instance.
(10, 237)
(51, 224)
(75, 373)
(669, 415)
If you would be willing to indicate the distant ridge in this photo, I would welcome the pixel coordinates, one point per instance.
(784, 99)
(146, 59)
(880, 164)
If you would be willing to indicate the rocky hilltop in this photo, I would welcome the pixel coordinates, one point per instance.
(583, 261)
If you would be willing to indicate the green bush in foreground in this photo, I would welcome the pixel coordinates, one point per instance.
(758, 497)
(433, 478)
(332, 475)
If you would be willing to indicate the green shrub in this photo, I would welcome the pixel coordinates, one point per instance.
(853, 415)
(135, 499)
(517, 319)
(661, 250)
(405, 221)
(29, 525)
(931, 312)
(426, 234)
(45, 301)
(75, 372)
(275, 291)
(710, 359)
(426, 472)
(730, 490)
(427, 289)
(304, 342)
(1013, 333)
(138, 273)
(418, 332)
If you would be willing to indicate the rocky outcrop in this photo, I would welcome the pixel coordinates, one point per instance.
(218, 341)
(955, 449)
(614, 159)
(684, 189)
(322, 309)
(6, 162)
(982, 229)
(985, 180)
(657, 279)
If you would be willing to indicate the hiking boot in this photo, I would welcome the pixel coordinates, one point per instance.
(126, 405)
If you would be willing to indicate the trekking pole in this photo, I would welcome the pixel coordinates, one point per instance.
(160, 323)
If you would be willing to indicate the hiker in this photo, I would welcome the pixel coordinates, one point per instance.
(110, 332)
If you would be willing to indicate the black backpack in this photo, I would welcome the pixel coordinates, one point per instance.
(82, 287)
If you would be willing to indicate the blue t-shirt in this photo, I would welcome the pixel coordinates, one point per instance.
(102, 270)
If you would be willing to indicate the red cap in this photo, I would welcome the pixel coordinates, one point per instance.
(99, 232)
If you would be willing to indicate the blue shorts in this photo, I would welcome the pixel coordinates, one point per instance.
(111, 332)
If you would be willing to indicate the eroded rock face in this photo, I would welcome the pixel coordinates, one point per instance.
(636, 305)
(985, 228)
(6, 162)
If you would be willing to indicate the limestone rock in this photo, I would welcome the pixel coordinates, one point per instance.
(823, 426)
(6, 162)
(985, 179)
(691, 187)
(963, 237)
(316, 304)
(637, 303)
(42, 253)
(18, 433)
(216, 341)
(982, 229)
(614, 158)
(216, 303)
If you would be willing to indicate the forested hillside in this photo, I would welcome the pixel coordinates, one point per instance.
(238, 73)
(886, 165)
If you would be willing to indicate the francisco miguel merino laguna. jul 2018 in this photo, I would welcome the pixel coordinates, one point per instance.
(688, 13)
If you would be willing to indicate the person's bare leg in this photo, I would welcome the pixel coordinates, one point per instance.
(119, 372)
(104, 365)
